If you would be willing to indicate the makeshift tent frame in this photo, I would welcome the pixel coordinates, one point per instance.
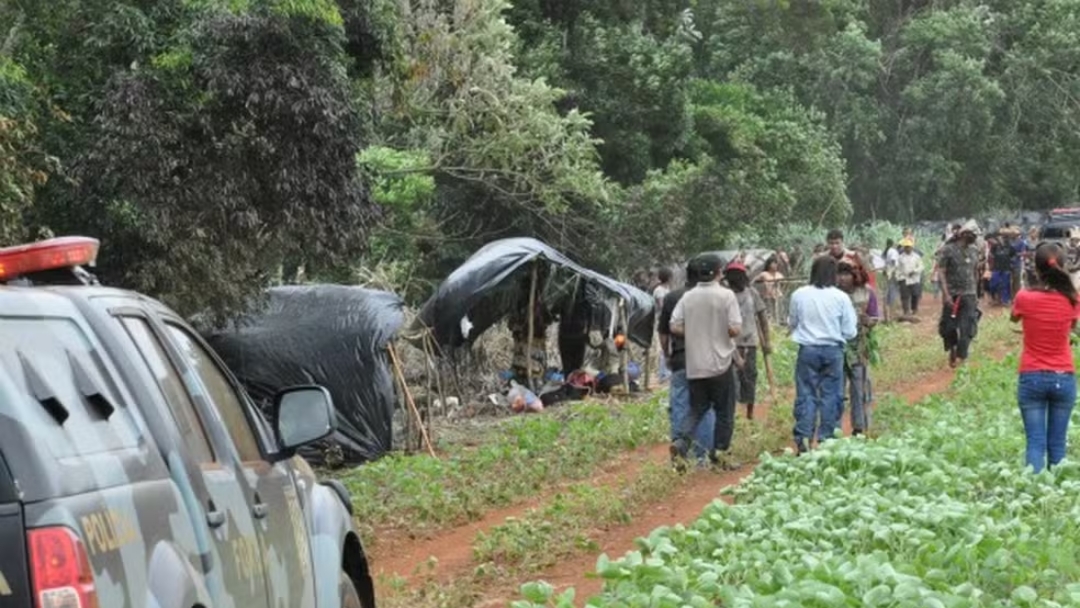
(337, 336)
(491, 285)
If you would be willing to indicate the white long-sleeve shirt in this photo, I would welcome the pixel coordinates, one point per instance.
(909, 268)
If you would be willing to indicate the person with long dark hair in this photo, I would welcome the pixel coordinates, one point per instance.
(822, 320)
(1047, 388)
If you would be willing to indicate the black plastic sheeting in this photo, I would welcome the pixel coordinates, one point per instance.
(494, 282)
(331, 335)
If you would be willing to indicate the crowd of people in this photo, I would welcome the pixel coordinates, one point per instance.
(712, 328)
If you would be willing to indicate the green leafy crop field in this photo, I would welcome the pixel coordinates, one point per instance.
(937, 512)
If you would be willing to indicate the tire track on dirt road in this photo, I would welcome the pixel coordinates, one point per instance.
(445, 554)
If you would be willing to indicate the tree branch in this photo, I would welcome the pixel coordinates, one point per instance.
(12, 36)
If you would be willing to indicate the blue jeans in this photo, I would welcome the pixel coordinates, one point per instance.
(892, 292)
(680, 410)
(1001, 285)
(819, 392)
(1046, 403)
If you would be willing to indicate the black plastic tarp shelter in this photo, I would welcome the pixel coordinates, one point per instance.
(485, 289)
(332, 335)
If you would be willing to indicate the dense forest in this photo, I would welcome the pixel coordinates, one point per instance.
(216, 145)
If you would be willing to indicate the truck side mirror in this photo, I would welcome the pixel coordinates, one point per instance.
(302, 415)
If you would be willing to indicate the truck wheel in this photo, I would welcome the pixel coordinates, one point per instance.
(349, 597)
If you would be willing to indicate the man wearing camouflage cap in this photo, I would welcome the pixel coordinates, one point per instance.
(959, 261)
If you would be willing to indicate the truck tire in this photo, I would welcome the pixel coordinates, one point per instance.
(349, 597)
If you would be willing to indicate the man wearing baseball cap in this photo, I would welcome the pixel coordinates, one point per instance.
(679, 394)
(960, 278)
(709, 320)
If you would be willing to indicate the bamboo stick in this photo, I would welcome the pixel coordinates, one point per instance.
(412, 440)
(624, 355)
(648, 363)
(433, 368)
(453, 365)
(532, 328)
(409, 399)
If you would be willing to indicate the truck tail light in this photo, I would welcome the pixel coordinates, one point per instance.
(60, 570)
(51, 254)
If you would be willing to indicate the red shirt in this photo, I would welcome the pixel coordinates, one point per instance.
(1047, 318)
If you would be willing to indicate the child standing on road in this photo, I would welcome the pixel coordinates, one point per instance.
(1047, 388)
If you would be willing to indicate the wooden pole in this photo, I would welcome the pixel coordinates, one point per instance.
(433, 368)
(532, 328)
(624, 356)
(648, 362)
(412, 440)
(409, 399)
(453, 364)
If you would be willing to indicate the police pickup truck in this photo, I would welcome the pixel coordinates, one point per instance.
(136, 472)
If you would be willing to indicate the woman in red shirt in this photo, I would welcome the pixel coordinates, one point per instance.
(1047, 388)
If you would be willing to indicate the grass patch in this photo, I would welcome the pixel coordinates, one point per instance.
(567, 524)
(460, 592)
(530, 455)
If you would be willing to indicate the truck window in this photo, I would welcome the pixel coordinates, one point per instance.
(51, 347)
(221, 393)
(172, 387)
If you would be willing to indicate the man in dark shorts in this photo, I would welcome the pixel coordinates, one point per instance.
(755, 331)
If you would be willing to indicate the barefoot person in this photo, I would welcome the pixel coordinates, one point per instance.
(1047, 387)
(708, 318)
(822, 321)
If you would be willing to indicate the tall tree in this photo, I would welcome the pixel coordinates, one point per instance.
(226, 152)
